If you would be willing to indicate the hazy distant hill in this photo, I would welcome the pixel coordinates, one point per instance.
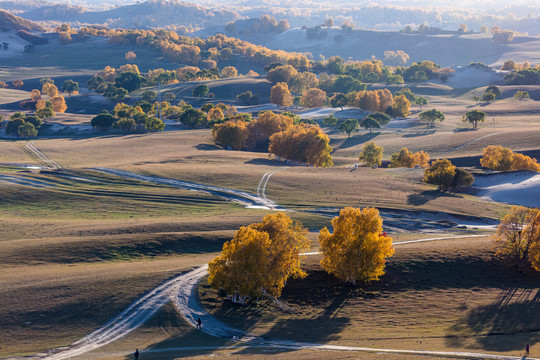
(152, 13)
(10, 22)
(447, 48)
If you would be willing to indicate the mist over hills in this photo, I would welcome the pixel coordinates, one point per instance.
(523, 17)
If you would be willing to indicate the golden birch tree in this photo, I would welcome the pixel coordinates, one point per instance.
(358, 248)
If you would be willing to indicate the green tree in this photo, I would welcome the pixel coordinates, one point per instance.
(154, 124)
(330, 121)
(462, 178)
(370, 123)
(371, 154)
(200, 91)
(102, 120)
(192, 117)
(149, 96)
(34, 120)
(338, 100)
(520, 95)
(247, 98)
(125, 125)
(70, 86)
(348, 126)
(12, 126)
(27, 130)
(420, 101)
(380, 117)
(358, 248)
(474, 116)
(130, 81)
(441, 173)
(97, 83)
(115, 93)
(45, 113)
(488, 97)
(494, 89)
(430, 116)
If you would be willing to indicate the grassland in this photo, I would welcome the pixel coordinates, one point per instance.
(77, 246)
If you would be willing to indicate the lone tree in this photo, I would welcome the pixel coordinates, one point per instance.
(371, 154)
(430, 116)
(339, 100)
(518, 238)
(494, 90)
(200, 91)
(369, 123)
(103, 120)
(440, 173)
(280, 95)
(358, 248)
(259, 259)
(70, 87)
(348, 126)
(330, 121)
(520, 95)
(474, 116)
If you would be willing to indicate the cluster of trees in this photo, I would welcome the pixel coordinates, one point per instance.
(520, 95)
(264, 24)
(22, 125)
(518, 239)
(46, 108)
(521, 74)
(405, 158)
(303, 144)
(261, 257)
(126, 119)
(194, 50)
(17, 84)
(430, 116)
(117, 84)
(412, 97)
(496, 157)
(445, 175)
(284, 135)
(473, 117)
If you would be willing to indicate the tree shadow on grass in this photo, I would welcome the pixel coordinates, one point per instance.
(456, 130)
(207, 147)
(353, 141)
(426, 196)
(514, 313)
(419, 133)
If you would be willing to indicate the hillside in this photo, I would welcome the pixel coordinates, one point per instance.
(446, 49)
(152, 13)
(10, 22)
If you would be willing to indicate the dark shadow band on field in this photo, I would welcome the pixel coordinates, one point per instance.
(507, 324)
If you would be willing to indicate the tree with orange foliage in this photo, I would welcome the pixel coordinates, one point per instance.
(313, 98)
(518, 238)
(17, 84)
(304, 143)
(229, 72)
(49, 89)
(281, 74)
(496, 157)
(58, 104)
(267, 124)
(405, 158)
(231, 133)
(130, 55)
(358, 248)
(214, 115)
(260, 259)
(280, 95)
(35, 95)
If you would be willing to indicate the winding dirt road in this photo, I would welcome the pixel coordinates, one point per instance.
(182, 291)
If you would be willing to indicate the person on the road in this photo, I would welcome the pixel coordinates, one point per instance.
(526, 351)
(199, 323)
(136, 354)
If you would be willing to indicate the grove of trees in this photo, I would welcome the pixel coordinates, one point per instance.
(496, 157)
(259, 259)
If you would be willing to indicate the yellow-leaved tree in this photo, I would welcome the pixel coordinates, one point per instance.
(240, 269)
(405, 158)
(357, 249)
(259, 259)
(496, 157)
(518, 238)
(231, 133)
